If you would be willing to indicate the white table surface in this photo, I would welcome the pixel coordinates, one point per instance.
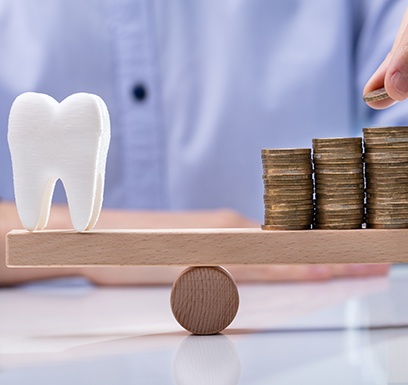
(338, 332)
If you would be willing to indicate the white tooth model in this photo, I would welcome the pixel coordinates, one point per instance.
(50, 141)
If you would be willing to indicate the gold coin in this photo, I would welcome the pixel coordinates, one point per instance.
(288, 222)
(282, 172)
(352, 172)
(387, 226)
(300, 219)
(282, 162)
(339, 199)
(386, 206)
(286, 151)
(272, 202)
(321, 202)
(385, 200)
(386, 173)
(270, 195)
(281, 188)
(386, 146)
(267, 164)
(386, 178)
(289, 214)
(388, 195)
(337, 227)
(339, 171)
(333, 142)
(341, 157)
(386, 167)
(386, 157)
(375, 131)
(343, 177)
(337, 219)
(341, 212)
(354, 151)
(276, 227)
(331, 194)
(376, 218)
(290, 197)
(289, 188)
(342, 206)
(339, 162)
(339, 166)
(343, 188)
(340, 219)
(355, 218)
(376, 95)
(289, 206)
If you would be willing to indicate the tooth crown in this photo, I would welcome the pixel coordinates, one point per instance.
(50, 141)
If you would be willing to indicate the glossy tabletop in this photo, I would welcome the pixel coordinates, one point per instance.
(339, 332)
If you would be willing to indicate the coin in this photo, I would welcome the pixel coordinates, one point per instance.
(322, 202)
(389, 217)
(286, 177)
(387, 226)
(387, 196)
(288, 221)
(338, 179)
(291, 199)
(376, 95)
(277, 227)
(386, 157)
(334, 142)
(341, 188)
(339, 206)
(330, 156)
(286, 151)
(335, 172)
(376, 131)
(289, 206)
(298, 215)
(337, 226)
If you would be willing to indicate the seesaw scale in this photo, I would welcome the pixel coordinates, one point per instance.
(204, 299)
(204, 247)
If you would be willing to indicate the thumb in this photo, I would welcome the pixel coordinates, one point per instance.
(396, 77)
(376, 82)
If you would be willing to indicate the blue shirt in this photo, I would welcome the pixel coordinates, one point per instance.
(195, 89)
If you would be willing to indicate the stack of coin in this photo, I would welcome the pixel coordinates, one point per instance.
(386, 169)
(339, 183)
(288, 194)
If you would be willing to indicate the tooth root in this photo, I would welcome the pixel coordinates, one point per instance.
(33, 200)
(97, 202)
(84, 201)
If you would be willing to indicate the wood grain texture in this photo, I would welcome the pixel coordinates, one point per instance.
(204, 300)
(204, 247)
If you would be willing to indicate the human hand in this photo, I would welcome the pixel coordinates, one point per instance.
(393, 72)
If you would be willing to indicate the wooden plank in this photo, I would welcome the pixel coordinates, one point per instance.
(204, 247)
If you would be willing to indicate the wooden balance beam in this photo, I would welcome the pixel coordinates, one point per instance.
(204, 299)
(204, 247)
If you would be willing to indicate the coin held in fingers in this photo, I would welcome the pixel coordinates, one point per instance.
(376, 95)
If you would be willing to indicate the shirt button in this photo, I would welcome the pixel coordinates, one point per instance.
(139, 92)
